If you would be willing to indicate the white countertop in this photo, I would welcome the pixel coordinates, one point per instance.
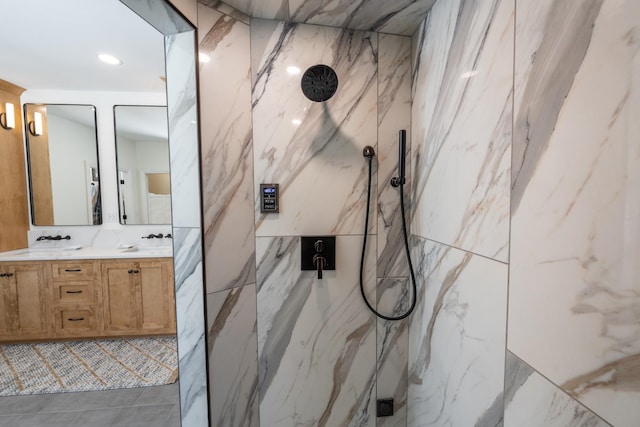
(77, 252)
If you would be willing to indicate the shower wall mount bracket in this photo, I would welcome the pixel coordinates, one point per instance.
(318, 253)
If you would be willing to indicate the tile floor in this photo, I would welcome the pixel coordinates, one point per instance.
(136, 407)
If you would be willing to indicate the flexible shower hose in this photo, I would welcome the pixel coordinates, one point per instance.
(406, 247)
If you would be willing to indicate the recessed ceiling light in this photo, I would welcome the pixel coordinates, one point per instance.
(469, 74)
(203, 57)
(296, 122)
(293, 70)
(109, 59)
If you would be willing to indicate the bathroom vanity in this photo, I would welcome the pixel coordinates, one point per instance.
(90, 293)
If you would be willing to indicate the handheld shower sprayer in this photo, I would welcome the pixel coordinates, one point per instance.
(402, 145)
(398, 181)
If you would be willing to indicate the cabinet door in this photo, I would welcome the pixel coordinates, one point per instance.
(157, 312)
(119, 294)
(24, 302)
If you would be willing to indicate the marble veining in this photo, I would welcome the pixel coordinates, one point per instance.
(183, 130)
(547, 73)
(456, 338)
(227, 151)
(314, 332)
(532, 400)
(400, 17)
(394, 114)
(461, 136)
(314, 150)
(392, 349)
(191, 326)
(575, 241)
(232, 350)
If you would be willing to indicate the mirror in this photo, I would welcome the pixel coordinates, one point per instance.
(62, 160)
(142, 155)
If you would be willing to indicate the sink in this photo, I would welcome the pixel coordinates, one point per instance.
(156, 250)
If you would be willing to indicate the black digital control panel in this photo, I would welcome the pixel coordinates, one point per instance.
(269, 198)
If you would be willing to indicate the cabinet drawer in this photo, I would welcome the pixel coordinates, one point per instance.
(70, 320)
(72, 270)
(74, 292)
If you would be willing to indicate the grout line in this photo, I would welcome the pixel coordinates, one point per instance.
(559, 388)
(461, 249)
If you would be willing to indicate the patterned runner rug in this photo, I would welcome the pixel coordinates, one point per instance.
(58, 367)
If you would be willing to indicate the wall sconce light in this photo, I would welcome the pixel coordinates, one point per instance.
(35, 126)
(8, 118)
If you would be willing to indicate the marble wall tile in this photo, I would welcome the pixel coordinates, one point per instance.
(180, 52)
(232, 350)
(456, 338)
(266, 9)
(226, 9)
(226, 147)
(392, 350)
(318, 162)
(316, 339)
(461, 116)
(576, 209)
(394, 114)
(532, 400)
(161, 15)
(192, 353)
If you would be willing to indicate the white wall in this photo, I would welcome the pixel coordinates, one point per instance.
(71, 149)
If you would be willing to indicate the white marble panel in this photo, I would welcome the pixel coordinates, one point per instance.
(394, 114)
(266, 9)
(393, 345)
(456, 338)
(408, 20)
(396, 17)
(226, 151)
(316, 338)
(161, 15)
(183, 129)
(533, 401)
(192, 353)
(576, 205)
(100, 237)
(233, 359)
(461, 117)
(318, 162)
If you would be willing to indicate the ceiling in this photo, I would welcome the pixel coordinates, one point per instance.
(53, 45)
(401, 17)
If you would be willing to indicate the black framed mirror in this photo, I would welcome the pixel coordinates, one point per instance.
(63, 166)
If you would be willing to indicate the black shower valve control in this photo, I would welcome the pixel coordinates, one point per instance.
(318, 253)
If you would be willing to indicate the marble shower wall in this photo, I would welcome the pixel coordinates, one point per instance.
(571, 72)
(461, 152)
(229, 237)
(287, 330)
(574, 298)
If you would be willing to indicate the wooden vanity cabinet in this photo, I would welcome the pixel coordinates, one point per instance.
(71, 299)
(138, 297)
(23, 301)
(75, 294)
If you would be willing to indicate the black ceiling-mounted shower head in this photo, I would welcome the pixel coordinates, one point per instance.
(319, 83)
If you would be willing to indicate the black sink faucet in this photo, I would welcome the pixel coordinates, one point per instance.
(58, 237)
(153, 236)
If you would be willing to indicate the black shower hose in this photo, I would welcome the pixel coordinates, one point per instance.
(406, 247)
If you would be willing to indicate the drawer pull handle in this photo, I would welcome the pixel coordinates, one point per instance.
(3, 274)
(130, 271)
(8, 275)
(73, 270)
(75, 319)
(74, 292)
